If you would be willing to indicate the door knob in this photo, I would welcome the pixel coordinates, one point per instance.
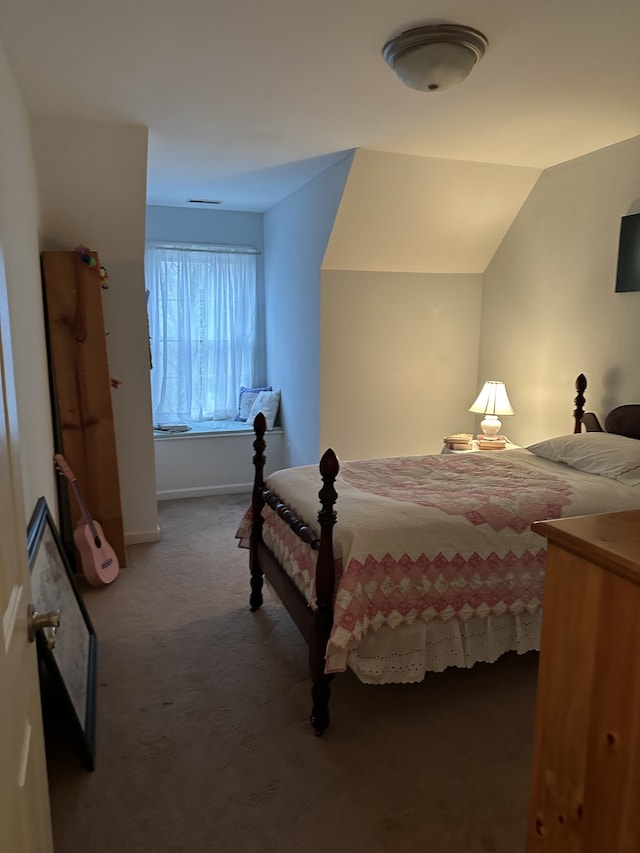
(37, 621)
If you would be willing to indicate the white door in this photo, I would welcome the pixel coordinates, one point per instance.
(25, 822)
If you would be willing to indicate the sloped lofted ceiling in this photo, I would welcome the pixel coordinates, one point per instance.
(404, 213)
(246, 101)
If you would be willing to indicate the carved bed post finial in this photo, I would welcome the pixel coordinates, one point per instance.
(325, 582)
(257, 503)
(581, 384)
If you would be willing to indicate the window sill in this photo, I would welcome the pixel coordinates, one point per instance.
(207, 429)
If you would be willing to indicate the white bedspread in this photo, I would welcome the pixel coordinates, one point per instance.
(435, 540)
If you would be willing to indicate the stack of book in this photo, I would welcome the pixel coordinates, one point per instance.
(458, 441)
(497, 443)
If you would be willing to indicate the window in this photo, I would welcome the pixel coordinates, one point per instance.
(202, 325)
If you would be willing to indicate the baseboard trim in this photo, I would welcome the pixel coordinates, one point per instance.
(204, 491)
(141, 536)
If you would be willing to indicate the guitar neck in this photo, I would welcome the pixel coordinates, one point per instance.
(86, 515)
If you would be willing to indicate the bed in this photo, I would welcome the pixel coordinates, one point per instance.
(430, 561)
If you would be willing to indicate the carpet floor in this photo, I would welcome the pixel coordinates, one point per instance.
(203, 741)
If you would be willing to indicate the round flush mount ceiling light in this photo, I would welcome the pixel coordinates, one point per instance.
(431, 58)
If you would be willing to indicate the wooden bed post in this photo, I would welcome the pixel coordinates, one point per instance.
(257, 503)
(581, 384)
(325, 582)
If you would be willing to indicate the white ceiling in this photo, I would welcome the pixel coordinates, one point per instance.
(247, 100)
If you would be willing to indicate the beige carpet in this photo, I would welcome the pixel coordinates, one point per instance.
(203, 740)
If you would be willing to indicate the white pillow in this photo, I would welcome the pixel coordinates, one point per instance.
(603, 453)
(267, 402)
(246, 399)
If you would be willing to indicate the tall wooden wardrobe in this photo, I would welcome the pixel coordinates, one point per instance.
(81, 389)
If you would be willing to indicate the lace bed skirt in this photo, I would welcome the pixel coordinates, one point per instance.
(406, 653)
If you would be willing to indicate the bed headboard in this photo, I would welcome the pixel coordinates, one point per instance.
(623, 420)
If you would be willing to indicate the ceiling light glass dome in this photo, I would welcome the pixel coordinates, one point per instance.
(432, 58)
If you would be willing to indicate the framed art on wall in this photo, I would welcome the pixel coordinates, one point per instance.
(67, 654)
(628, 272)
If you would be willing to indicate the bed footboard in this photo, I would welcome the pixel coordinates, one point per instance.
(314, 624)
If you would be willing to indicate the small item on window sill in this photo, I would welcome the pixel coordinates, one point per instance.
(172, 427)
(458, 441)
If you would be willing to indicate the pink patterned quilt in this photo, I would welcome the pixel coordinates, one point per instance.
(432, 537)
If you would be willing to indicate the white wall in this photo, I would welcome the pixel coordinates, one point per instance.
(385, 339)
(399, 361)
(296, 234)
(191, 466)
(549, 307)
(401, 296)
(21, 254)
(92, 191)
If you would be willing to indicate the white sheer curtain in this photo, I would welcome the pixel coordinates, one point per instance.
(202, 324)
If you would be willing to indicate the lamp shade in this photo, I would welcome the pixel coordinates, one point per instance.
(492, 400)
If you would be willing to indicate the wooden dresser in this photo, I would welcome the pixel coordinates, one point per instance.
(585, 795)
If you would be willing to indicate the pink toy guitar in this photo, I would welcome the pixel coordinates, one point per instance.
(99, 561)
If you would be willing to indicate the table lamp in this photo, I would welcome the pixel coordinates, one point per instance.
(491, 402)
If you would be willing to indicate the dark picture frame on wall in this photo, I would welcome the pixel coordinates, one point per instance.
(67, 655)
(628, 271)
